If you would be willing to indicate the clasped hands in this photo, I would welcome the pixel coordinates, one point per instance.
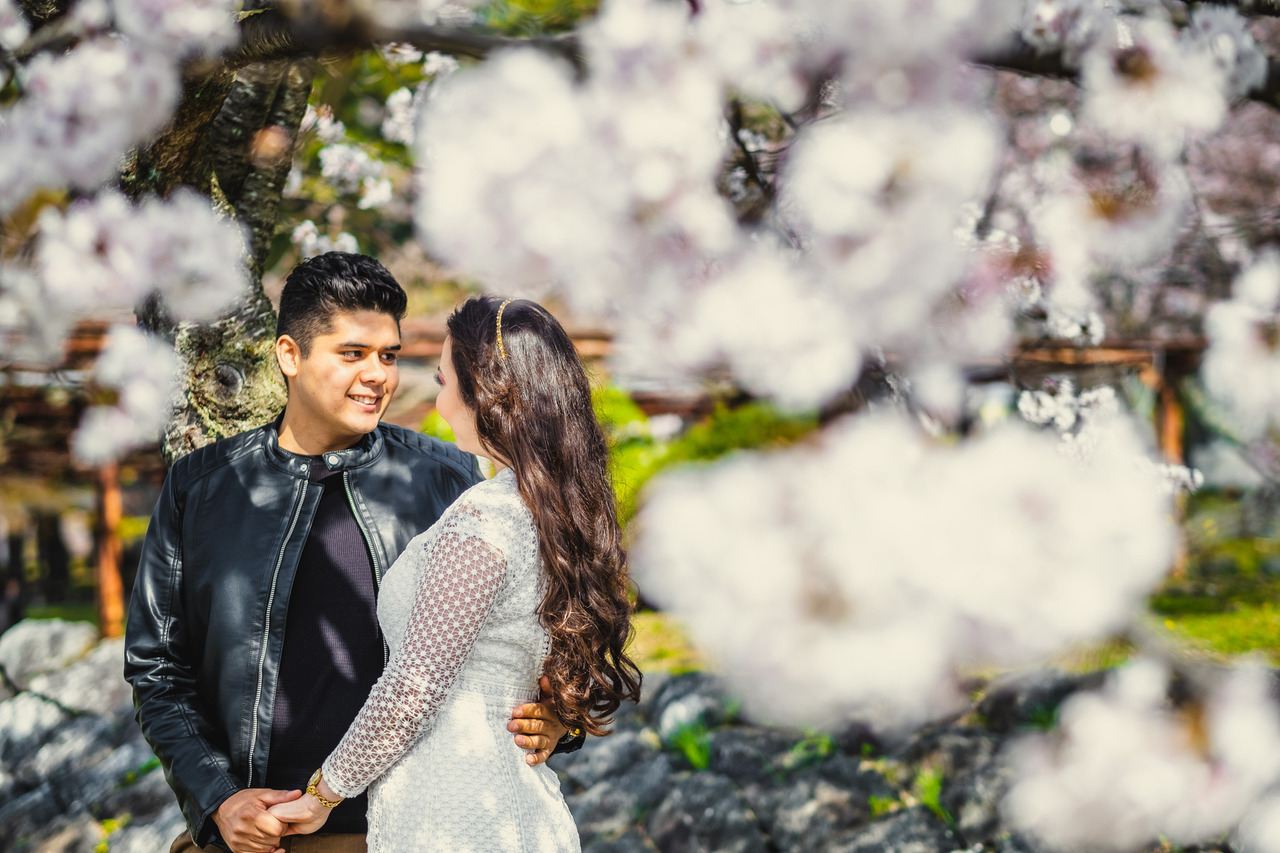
(254, 820)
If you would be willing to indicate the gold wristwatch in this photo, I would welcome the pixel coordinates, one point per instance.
(311, 789)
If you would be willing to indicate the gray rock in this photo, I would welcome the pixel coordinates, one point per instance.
(82, 741)
(973, 799)
(914, 830)
(705, 812)
(26, 722)
(604, 758)
(612, 806)
(143, 798)
(1031, 699)
(955, 750)
(686, 700)
(73, 833)
(35, 646)
(819, 803)
(95, 684)
(631, 841)
(151, 836)
(95, 785)
(751, 755)
(25, 816)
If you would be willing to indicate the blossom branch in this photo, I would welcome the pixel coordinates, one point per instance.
(1022, 58)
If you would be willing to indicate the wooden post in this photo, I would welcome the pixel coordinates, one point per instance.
(1171, 422)
(110, 592)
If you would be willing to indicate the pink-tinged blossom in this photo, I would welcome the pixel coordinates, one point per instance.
(109, 253)
(196, 257)
(626, 162)
(877, 197)
(1068, 26)
(1222, 34)
(32, 326)
(1241, 368)
(14, 28)
(327, 128)
(183, 28)
(141, 371)
(78, 115)
(758, 47)
(792, 571)
(775, 331)
(1143, 85)
(1124, 768)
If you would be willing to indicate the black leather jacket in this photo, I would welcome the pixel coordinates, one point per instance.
(207, 617)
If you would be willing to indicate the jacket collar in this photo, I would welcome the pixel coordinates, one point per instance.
(363, 452)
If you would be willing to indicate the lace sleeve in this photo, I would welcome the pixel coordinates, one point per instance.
(455, 593)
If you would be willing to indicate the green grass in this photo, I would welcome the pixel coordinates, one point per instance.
(661, 645)
(1246, 629)
(71, 611)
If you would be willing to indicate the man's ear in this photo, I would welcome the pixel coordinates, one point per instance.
(288, 355)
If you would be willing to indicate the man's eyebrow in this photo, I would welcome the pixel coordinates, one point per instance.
(358, 345)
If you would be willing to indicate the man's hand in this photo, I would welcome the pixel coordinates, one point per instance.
(245, 823)
(537, 727)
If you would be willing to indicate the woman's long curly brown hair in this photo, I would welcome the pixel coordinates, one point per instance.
(533, 409)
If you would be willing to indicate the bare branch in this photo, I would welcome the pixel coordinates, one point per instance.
(1249, 8)
(270, 35)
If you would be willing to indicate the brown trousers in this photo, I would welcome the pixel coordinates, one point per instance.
(333, 842)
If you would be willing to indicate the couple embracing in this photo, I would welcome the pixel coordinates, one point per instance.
(339, 627)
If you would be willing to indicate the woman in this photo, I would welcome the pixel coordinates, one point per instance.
(523, 576)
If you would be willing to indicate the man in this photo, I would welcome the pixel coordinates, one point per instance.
(252, 638)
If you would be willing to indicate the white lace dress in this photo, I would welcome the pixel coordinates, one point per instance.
(459, 610)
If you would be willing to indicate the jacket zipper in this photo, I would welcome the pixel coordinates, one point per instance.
(368, 542)
(266, 629)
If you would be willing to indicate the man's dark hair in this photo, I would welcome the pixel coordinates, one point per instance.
(320, 287)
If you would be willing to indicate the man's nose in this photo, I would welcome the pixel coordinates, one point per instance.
(375, 372)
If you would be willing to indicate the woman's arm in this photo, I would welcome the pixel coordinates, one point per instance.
(455, 593)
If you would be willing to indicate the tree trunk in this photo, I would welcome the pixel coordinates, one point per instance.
(229, 380)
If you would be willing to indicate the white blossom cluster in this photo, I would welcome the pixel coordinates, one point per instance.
(628, 162)
(32, 328)
(1068, 26)
(1241, 368)
(1068, 411)
(110, 253)
(1222, 34)
(1124, 768)
(310, 242)
(1148, 87)
(189, 27)
(795, 572)
(140, 370)
(348, 166)
(79, 113)
(404, 106)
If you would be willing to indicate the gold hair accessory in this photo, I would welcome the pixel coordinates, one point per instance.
(501, 350)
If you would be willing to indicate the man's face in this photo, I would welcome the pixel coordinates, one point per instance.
(341, 389)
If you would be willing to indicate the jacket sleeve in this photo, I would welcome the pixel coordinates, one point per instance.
(161, 664)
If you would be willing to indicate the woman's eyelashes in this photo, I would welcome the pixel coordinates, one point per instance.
(439, 379)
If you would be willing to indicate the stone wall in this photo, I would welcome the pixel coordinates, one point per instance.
(683, 772)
